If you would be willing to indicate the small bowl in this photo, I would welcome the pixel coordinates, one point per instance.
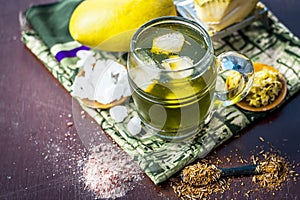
(245, 105)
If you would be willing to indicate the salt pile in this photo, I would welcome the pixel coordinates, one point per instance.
(109, 172)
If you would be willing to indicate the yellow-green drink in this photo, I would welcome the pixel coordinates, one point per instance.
(175, 108)
(173, 100)
(172, 73)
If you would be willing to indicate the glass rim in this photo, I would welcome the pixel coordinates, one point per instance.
(173, 19)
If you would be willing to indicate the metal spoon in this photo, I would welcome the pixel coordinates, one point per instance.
(204, 174)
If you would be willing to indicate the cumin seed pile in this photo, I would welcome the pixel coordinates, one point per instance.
(189, 187)
(200, 174)
(274, 171)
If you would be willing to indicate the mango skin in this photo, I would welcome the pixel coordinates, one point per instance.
(110, 24)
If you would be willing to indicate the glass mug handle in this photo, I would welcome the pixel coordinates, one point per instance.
(235, 78)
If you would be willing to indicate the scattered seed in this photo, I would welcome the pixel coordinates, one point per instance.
(275, 171)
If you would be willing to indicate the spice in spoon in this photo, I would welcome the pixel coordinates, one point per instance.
(186, 190)
(200, 174)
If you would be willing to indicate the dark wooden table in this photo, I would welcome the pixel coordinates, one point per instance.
(38, 162)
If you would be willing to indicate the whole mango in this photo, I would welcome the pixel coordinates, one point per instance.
(110, 24)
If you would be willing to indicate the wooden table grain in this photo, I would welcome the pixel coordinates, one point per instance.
(39, 151)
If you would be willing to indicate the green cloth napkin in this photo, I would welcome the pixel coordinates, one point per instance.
(50, 42)
(51, 21)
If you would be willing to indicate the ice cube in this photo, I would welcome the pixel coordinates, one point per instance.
(134, 126)
(118, 113)
(177, 63)
(147, 71)
(180, 64)
(171, 43)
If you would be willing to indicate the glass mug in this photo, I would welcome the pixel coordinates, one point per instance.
(176, 80)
